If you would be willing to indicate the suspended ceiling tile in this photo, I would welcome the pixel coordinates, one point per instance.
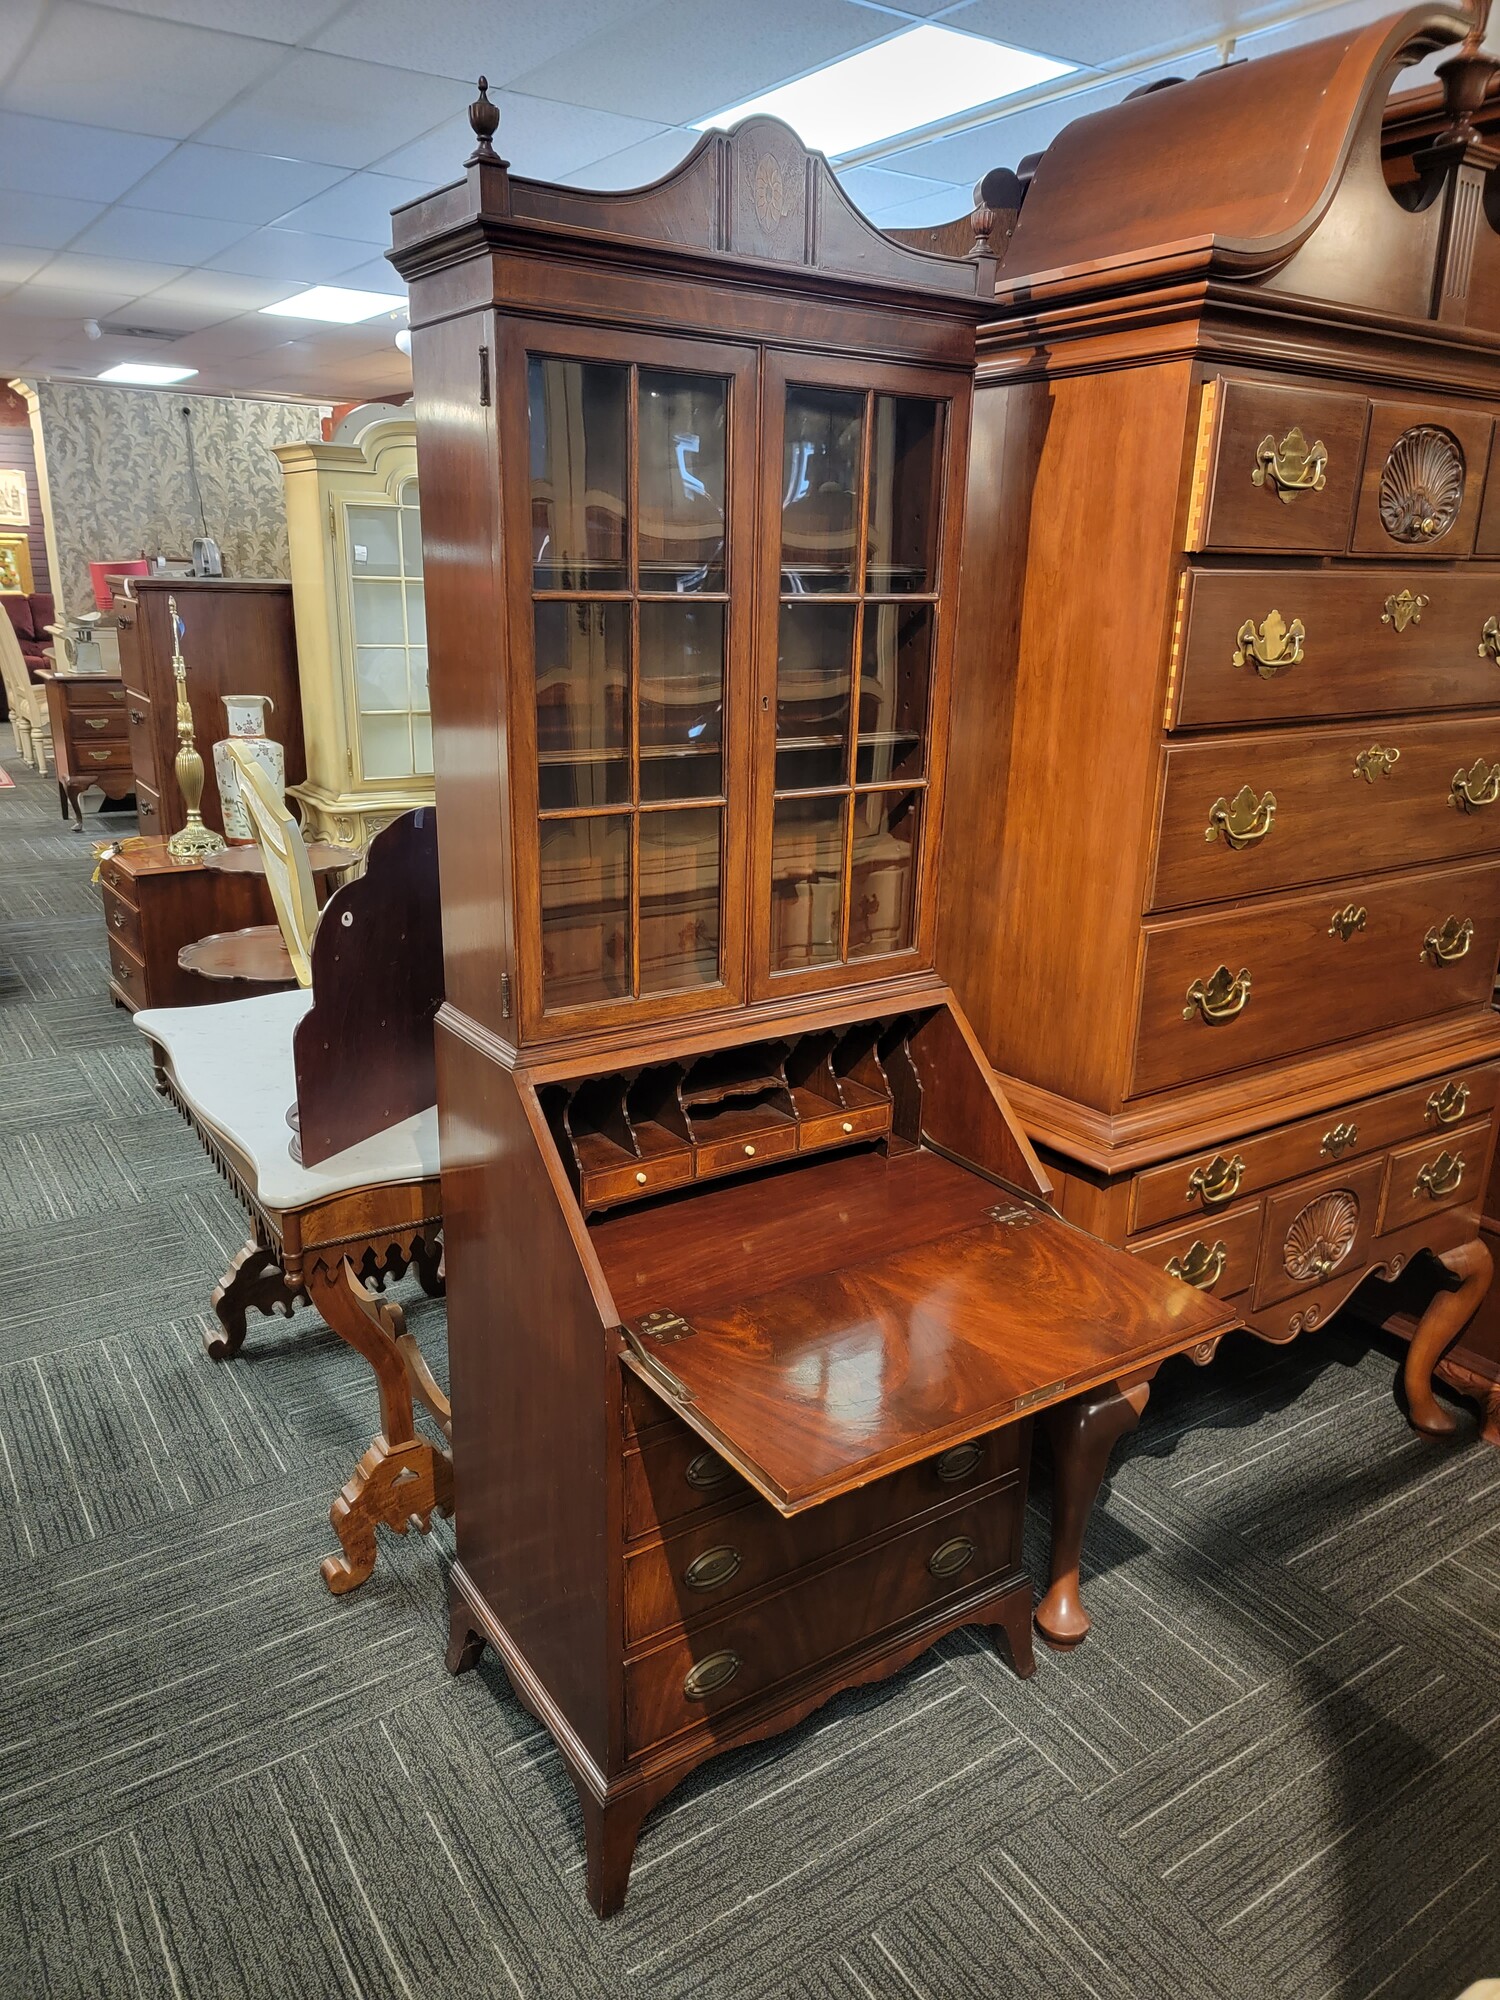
(16, 265)
(358, 208)
(44, 222)
(71, 308)
(269, 20)
(292, 254)
(464, 39)
(231, 341)
(542, 141)
(872, 188)
(21, 18)
(334, 110)
(378, 275)
(638, 165)
(218, 294)
(238, 187)
(70, 271)
(151, 234)
(53, 157)
(101, 67)
(943, 204)
(1082, 31)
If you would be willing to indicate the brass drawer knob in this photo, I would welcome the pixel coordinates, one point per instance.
(1403, 608)
(707, 1471)
(749, 1152)
(1348, 920)
(1216, 1182)
(640, 1179)
(1476, 787)
(1489, 640)
(1203, 1265)
(1270, 647)
(1448, 1105)
(713, 1568)
(1294, 466)
(1220, 998)
(1441, 1177)
(848, 1125)
(1376, 762)
(957, 1462)
(717, 1671)
(1243, 821)
(951, 1557)
(1449, 941)
(1340, 1140)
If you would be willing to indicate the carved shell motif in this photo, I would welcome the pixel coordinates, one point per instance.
(1422, 486)
(1321, 1235)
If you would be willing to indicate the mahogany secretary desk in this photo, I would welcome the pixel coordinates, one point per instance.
(752, 1289)
(1227, 713)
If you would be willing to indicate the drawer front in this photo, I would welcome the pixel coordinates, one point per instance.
(1435, 1173)
(673, 1476)
(1205, 1184)
(89, 727)
(1317, 1229)
(1308, 983)
(1366, 645)
(147, 808)
(142, 742)
(117, 879)
(1278, 468)
(1248, 814)
(730, 1660)
(724, 1156)
(1423, 481)
(124, 921)
(93, 695)
(840, 1127)
(96, 756)
(692, 1577)
(1216, 1255)
(129, 973)
(640, 1178)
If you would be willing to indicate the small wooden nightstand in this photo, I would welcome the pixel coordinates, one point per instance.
(153, 906)
(88, 737)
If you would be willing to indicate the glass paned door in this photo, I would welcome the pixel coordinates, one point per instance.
(631, 627)
(383, 547)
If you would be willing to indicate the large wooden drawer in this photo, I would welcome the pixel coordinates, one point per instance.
(1206, 1184)
(1435, 1173)
(1250, 459)
(728, 1661)
(673, 1475)
(1309, 984)
(142, 740)
(1323, 803)
(1366, 647)
(1317, 1229)
(96, 756)
(90, 727)
(107, 695)
(1217, 1255)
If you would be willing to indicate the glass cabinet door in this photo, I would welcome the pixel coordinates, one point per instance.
(851, 618)
(383, 553)
(631, 631)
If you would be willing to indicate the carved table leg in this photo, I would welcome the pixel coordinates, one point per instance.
(1083, 1433)
(402, 1477)
(254, 1279)
(427, 1260)
(1441, 1324)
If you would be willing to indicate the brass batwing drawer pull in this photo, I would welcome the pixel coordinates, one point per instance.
(1449, 1104)
(1375, 763)
(707, 1471)
(1441, 1177)
(713, 1568)
(1217, 1182)
(1202, 1267)
(717, 1671)
(1220, 999)
(1271, 647)
(96, 722)
(118, 921)
(1243, 821)
(957, 1462)
(1338, 1142)
(1402, 608)
(1489, 640)
(1476, 787)
(98, 756)
(1449, 941)
(951, 1557)
(1294, 466)
(1353, 917)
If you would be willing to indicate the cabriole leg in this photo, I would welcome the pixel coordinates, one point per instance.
(1438, 1328)
(1083, 1433)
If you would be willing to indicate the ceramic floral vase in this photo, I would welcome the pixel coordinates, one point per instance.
(247, 726)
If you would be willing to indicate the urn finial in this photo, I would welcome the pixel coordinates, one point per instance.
(484, 117)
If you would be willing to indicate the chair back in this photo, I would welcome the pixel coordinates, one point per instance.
(18, 687)
(284, 854)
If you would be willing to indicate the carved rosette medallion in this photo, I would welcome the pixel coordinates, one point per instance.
(1422, 485)
(769, 192)
(1321, 1235)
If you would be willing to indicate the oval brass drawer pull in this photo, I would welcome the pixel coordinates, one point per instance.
(951, 1557)
(1217, 1182)
(1271, 647)
(1243, 821)
(1403, 608)
(1348, 920)
(713, 1568)
(1376, 762)
(1202, 1267)
(717, 1671)
(707, 1471)
(957, 1462)
(1489, 640)
(1476, 787)
(1446, 943)
(1338, 1142)
(1441, 1177)
(1449, 1104)
(1294, 466)
(1221, 998)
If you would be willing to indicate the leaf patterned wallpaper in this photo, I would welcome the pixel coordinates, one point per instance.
(117, 465)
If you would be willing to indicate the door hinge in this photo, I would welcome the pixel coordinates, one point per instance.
(484, 377)
(505, 996)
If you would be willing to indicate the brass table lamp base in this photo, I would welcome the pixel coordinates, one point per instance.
(195, 840)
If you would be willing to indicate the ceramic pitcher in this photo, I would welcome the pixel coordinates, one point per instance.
(247, 726)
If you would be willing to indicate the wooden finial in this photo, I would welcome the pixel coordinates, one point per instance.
(997, 198)
(485, 119)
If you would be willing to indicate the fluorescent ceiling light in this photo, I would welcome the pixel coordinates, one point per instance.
(148, 374)
(897, 86)
(337, 306)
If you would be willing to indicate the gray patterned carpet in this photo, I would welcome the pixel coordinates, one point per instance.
(1273, 1771)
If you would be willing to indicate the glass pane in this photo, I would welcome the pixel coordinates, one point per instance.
(680, 483)
(813, 673)
(385, 746)
(904, 494)
(820, 489)
(882, 882)
(411, 530)
(421, 738)
(377, 614)
(681, 700)
(585, 869)
(416, 615)
(374, 541)
(381, 674)
(418, 673)
(578, 473)
(894, 671)
(807, 869)
(582, 687)
(680, 899)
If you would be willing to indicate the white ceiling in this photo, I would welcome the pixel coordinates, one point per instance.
(177, 164)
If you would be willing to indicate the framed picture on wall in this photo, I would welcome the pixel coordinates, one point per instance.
(15, 510)
(15, 566)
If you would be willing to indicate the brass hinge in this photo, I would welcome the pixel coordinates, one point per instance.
(484, 377)
(664, 1324)
(656, 1369)
(1012, 1215)
(1035, 1396)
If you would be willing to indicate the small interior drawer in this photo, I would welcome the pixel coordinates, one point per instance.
(1216, 1254)
(1436, 1173)
(751, 1142)
(1277, 468)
